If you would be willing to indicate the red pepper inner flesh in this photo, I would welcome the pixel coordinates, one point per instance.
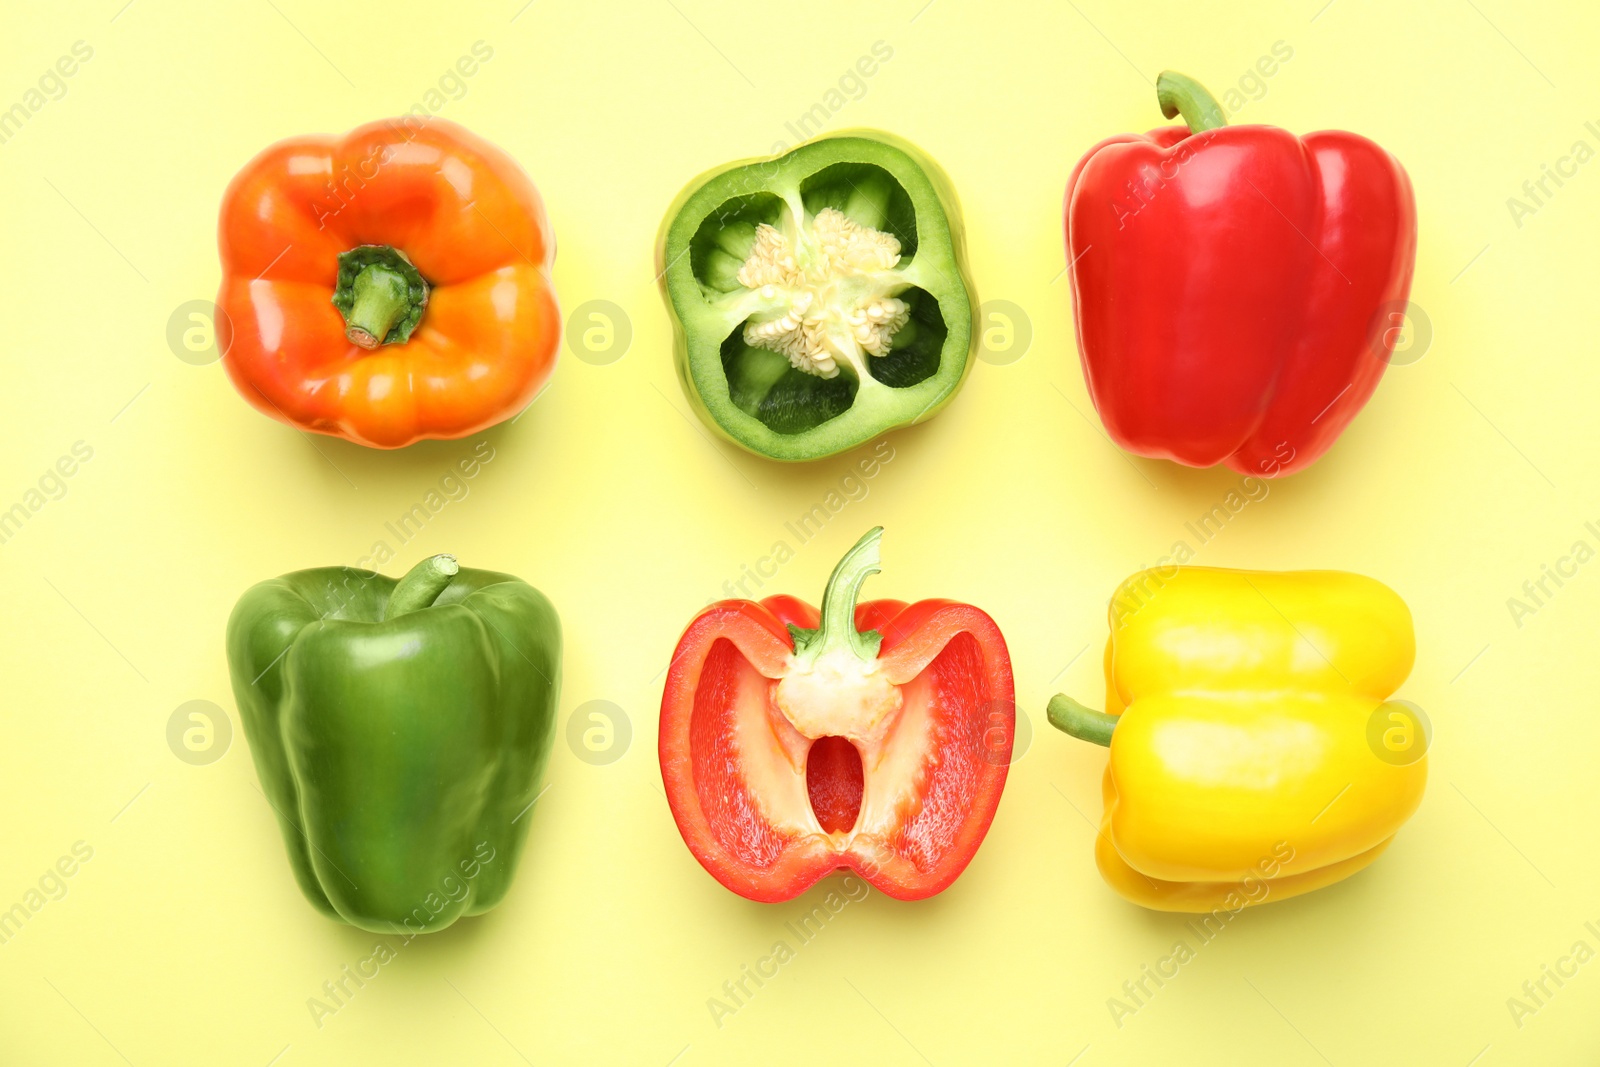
(958, 715)
(765, 789)
(834, 782)
(727, 683)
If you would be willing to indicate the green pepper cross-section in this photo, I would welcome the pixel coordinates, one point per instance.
(820, 297)
(400, 730)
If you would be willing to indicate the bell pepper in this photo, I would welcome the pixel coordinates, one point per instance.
(873, 737)
(820, 297)
(1237, 290)
(400, 731)
(1240, 710)
(387, 286)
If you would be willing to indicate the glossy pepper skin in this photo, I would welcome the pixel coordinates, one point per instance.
(1246, 712)
(1238, 291)
(463, 252)
(876, 373)
(400, 731)
(873, 737)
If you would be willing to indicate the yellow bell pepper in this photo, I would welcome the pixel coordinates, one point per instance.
(1255, 754)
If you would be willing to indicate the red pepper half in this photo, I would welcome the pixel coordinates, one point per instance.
(1238, 291)
(874, 737)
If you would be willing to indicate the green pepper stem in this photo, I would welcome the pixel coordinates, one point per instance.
(1180, 94)
(838, 627)
(380, 294)
(422, 585)
(1081, 722)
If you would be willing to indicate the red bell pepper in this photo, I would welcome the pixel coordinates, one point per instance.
(1237, 290)
(873, 737)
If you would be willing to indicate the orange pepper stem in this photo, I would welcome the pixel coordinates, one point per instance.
(380, 294)
(379, 298)
(1081, 722)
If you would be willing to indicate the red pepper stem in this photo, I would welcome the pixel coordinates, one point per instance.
(421, 585)
(1081, 722)
(838, 627)
(1180, 94)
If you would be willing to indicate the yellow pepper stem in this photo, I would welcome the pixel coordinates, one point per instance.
(1081, 722)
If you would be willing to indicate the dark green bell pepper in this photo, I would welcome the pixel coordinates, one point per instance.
(400, 730)
(819, 297)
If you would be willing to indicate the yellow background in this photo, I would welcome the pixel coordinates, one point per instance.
(184, 939)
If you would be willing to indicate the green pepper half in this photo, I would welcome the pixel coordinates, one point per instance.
(819, 297)
(400, 731)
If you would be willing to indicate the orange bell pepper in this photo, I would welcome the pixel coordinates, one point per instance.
(387, 286)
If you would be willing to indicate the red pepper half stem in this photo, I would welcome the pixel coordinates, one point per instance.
(839, 606)
(1180, 94)
(422, 585)
(1081, 722)
(380, 294)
